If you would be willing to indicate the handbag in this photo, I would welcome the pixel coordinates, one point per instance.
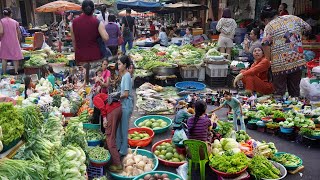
(120, 40)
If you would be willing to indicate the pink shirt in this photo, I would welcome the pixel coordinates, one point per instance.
(105, 74)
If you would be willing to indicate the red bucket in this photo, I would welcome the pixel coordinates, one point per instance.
(311, 65)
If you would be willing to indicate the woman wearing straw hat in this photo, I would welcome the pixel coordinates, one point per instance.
(182, 115)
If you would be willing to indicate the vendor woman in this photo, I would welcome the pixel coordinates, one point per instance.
(256, 78)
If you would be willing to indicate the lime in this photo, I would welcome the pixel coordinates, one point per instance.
(169, 155)
(176, 160)
(170, 149)
(148, 124)
(161, 156)
(174, 150)
(135, 132)
(163, 152)
(175, 155)
(163, 124)
(157, 153)
(154, 125)
(158, 148)
(136, 138)
(146, 135)
(141, 135)
(163, 148)
(141, 124)
(181, 157)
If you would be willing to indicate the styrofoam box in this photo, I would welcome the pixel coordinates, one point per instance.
(214, 70)
(187, 73)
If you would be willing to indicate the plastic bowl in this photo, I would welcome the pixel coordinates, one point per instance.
(286, 130)
(228, 175)
(91, 126)
(141, 152)
(142, 142)
(289, 167)
(156, 131)
(165, 162)
(283, 171)
(98, 163)
(190, 86)
(266, 119)
(170, 175)
(94, 143)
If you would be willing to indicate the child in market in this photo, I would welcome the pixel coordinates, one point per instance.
(98, 81)
(28, 87)
(237, 110)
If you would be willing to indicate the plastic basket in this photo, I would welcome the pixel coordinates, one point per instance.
(171, 176)
(94, 172)
(156, 131)
(286, 130)
(289, 167)
(213, 70)
(141, 142)
(165, 162)
(94, 143)
(141, 152)
(228, 175)
(190, 86)
(98, 163)
(91, 126)
(191, 72)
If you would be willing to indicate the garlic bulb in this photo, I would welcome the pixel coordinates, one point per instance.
(141, 164)
(147, 168)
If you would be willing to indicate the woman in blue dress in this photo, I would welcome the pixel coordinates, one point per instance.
(126, 99)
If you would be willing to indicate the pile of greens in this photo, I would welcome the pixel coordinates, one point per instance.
(35, 61)
(98, 153)
(12, 123)
(56, 100)
(242, 136)
(74, 135)
(94, 135)
(278, 114)
(287, 159)
(229, 163)
(225, 128)
(33, 120)
(260, 167)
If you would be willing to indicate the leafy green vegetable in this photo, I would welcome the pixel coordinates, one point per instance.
(225, 128)
(33, 120)
(242, 136)
(56, 101)
(93, 135)
(229, 164)
(74, 135)
(260, 167)
(287, 159)
(98, 153)
(35, 61)
(278, 114)
(11, 122)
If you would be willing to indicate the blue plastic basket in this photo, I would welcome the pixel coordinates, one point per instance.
(94, 143)
(289, 167)
(170, 175)
(94, 172)
(190, 86)
(286, 130)
(156, 131)
(141, 152)
(91, 126)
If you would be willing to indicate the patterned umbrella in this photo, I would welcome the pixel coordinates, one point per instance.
(58, 6)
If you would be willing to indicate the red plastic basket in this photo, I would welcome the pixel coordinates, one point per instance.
(162, 161)
(312, 64)
(142, 142)
(228, 175)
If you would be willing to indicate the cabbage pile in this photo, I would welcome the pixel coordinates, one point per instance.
(225, 145)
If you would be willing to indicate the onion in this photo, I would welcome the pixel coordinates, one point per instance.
(141, 164)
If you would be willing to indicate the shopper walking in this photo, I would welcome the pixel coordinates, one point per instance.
(104, 16)
(114, 33)
(227, 28)
(10, 36)
(126, 103)
(283, 9)
(128, 31)
(86, 29)
(282, 42)
(111, 114)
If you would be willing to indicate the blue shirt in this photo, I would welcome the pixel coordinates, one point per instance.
(213, 26)
(126, 85)
(163, 38)
(234, 103)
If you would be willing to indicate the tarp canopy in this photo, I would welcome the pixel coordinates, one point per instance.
(139, 6)
(183, 5)
(135, 13)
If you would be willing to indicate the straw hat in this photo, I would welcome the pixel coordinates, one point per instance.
(181, 104)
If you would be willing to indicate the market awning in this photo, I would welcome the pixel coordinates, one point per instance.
(58, 6)
(137, 5)
(135, 13)
(183, 5)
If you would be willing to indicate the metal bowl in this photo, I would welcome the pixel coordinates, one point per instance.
(164, 71)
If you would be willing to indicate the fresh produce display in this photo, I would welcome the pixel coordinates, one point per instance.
(260, 167)
(287, 159)
(135, 164)
(225, 145)
(260, 114)
(85, 107)
(11, 122)
(36, 60)
(246, 148)
(157, 176)
(138, 135)
(278, 114)
(288, 123)
(75, 135)
(153, 123)
(272, 125)
(33, 120)
(58, 58)
(83, 117)
(229, 163)
(265, 149)
(242, 136)
(53, 130)
(1, 145)
(225, 128)
(98, 153)
(309, 132)
(44, 87)
(167, 151)
(56, 100)
(94, 135)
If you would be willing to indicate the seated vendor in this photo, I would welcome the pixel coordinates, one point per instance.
(173, 32)
(187, 38)
(163, 38)
(251, 42)
(256, 77)
(200, 125)
(182, 115)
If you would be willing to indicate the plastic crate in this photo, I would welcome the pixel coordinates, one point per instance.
(94, 172)
(213, 70)
(216, 81)
(190, 72)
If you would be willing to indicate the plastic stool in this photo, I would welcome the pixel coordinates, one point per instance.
(194, 147)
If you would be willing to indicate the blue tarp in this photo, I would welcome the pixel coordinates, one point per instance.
(139, 6)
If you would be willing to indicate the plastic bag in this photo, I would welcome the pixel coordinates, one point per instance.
(179, 136)
(182, 171)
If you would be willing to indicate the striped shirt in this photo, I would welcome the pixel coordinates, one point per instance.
(200, 130)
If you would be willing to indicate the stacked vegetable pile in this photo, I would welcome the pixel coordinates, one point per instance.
(265, 149)
(260, 167)
(229, 163)
(98, 154)
(75, 135)
(287, 159)
(153, 123)
(167, 151)
(157, 176)
(36, 60)
(135, 164)
(242, 136)
(11, 122)
(225, 145)
(94, 135)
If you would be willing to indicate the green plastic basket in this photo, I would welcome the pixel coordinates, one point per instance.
(156, 131)
(141, 152)
(91, 126)
(289, 167)
(171, 176)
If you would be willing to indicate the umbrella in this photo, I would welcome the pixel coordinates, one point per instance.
(135, 13)
(58, 6)
(181, 5)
